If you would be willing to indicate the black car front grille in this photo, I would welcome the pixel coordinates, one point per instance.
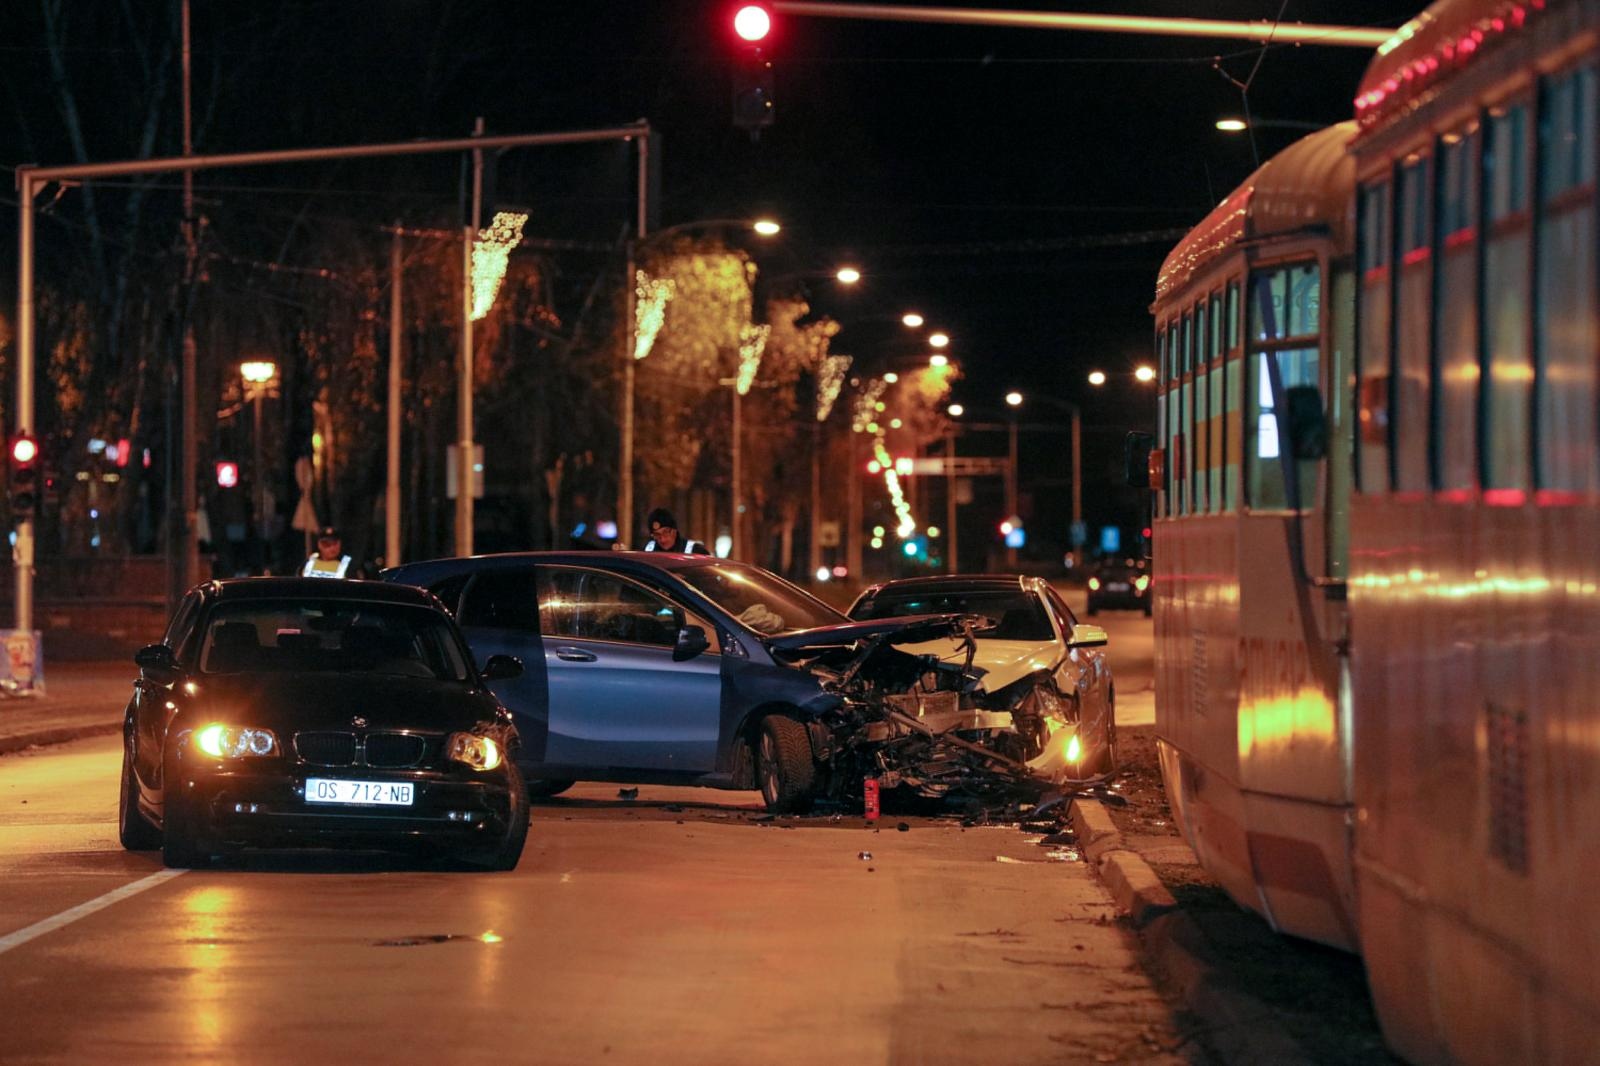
(326, 749)
(394, 750)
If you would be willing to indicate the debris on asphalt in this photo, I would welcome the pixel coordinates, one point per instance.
(672, 808)
(1063, 855)
(627, 793)
(1009, 859)
(903, 827)
(865, 856)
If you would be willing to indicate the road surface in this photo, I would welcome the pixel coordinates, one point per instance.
(630, 932)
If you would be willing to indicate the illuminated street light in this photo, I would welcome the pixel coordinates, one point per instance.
(938, 359)
(911, 319)
(891, 377)
(955, 410)
(1097, 377)
(766, 227)
(848, 275)
(939, 340)
(1232, 125)
(258, 371)
(1014, 399)
(1145, 374)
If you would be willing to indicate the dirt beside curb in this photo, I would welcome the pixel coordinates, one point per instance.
(1265, 997)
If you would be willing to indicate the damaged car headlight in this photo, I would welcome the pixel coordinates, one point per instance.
(480, 753)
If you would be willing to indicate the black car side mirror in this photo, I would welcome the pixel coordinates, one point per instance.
(502, 668)
(158, 663)
(691, 642)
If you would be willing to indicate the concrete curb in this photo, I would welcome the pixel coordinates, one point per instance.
(1238, 1027)
(57, 735)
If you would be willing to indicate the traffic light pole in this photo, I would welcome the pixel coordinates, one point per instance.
(466, 484)
(22, 555)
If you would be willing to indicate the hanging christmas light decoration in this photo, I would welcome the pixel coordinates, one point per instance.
(490, 254)
(865, 410)
(650, 299)
(830, 379)
(752, 342)
(897, 497)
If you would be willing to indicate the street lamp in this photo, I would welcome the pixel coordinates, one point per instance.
(955, 410)
(938, 340)
(1013, 399)
(848, 275)
(1145, 374)
(1233, 124)
(766, 227)
(259, 376)
(1097, 377)
(911, 319)
(938, 359)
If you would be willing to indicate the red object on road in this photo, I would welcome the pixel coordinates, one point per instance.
(870, 791)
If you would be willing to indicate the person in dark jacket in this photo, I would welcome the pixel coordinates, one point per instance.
(665, 537)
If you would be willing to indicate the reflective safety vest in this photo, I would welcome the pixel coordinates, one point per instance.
(689, 547)
(317, 566)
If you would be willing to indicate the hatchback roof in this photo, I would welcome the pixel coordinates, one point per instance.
(315, 588)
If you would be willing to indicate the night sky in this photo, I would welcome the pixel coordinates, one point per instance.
(963, 169)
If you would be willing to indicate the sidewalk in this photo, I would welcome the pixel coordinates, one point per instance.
(82, 699)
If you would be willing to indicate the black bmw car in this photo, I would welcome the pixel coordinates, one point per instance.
(314, 713)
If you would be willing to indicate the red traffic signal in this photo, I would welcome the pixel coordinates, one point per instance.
(24, 476)
(227, 474)
(752, 22)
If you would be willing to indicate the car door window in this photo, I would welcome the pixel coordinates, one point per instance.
(501, 599)
(449, 591)
(1064, 614)
(592, 605)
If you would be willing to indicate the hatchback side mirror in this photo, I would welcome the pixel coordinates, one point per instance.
(691, 642)
(1089, 637)
(158, 663)
(502, 668)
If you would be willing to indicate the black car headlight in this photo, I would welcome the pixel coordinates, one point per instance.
(478, 752)
(233, 742)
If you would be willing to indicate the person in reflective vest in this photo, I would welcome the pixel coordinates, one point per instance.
(329, 560)
(664, 535)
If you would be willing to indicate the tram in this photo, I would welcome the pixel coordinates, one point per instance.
(1378, 524)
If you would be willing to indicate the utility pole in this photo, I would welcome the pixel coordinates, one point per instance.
(1011, 489)
(815, 561)
(737, 551)
(953, 564)
(465, 482)
(1077, 467)
(631, 346)
(853, 508)
(190, 460)
(391, 489)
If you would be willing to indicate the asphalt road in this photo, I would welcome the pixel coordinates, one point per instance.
(630, 932)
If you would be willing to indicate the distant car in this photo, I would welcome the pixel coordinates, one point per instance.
(295, 711)
(1120, 583)
(660, 668)
(1034, 657)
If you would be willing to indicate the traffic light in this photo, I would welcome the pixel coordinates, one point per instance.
(752, 72)
(24, 476)
(227, 474)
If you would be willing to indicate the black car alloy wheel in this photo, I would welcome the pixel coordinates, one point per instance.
(784, 767)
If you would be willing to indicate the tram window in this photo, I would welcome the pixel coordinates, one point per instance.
(1507, 266)
(1216, 424)
(1287, 303)
(1413, 303)
(1457, 383)
(1233, 315)
(1232, 428)
(1296, 366)
(1202, 428)
(1565, 310)
(1372, 339)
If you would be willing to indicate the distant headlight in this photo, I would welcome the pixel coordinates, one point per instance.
(231, 742)
(480, 753)
(1094, 583)
(1141, 582)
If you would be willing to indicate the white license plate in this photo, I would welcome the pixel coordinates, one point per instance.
(1117, 586)
(360, 793)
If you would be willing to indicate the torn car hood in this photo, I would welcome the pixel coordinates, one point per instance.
(920, 628)
(1002, 661)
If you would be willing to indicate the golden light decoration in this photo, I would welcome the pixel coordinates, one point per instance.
(490, 255)
(830, 379)
(866, 404)
(752, 342)
(650, 299)
(907, 524)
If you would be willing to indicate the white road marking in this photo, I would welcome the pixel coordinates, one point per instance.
(83, 910)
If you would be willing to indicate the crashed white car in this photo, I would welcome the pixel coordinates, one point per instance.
(1043, 687)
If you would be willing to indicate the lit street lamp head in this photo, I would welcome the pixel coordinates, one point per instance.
(1097, 377)
(911, 319)
(891, 377)
(1014, 399)
(939, 340)
(955, 410)
(848, 275)
(766, 227)
(1145, 374)
(1232, 125)
(258, 371)
(938, 359)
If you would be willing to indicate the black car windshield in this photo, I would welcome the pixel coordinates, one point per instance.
(347, 636)
(1018, 615)
(764, 602)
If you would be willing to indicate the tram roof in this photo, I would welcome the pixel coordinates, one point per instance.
(1436, 44)
(1308, 184)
